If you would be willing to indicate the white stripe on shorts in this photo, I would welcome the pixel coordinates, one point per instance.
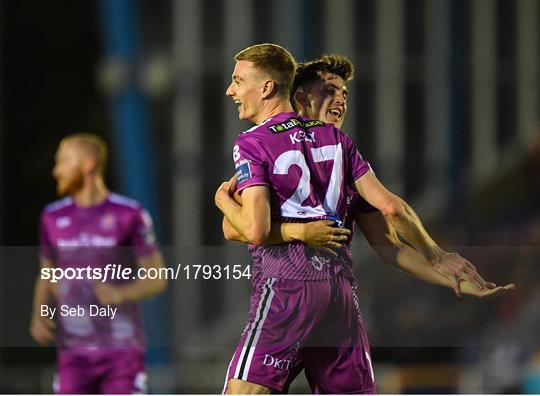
(252, 339)
(258, 331)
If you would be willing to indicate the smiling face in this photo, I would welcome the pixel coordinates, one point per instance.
(326, 100)
(246, 89)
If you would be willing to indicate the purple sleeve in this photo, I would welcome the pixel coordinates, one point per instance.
(250, 167)
(143, 237)
(357, 165)
(46, 248)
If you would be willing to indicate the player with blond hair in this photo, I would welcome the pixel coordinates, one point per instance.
(293, 169)
(96, 326)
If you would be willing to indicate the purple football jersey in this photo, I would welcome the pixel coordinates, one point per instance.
(116, 231)
(308, 166)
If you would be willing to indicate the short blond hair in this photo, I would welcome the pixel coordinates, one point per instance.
(273, 60)
(93, 145)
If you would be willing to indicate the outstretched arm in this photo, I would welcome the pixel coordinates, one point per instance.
(398, 213)
(411, 262)
(384, 240)
(407, 224)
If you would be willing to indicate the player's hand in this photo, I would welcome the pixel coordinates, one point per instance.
(491, 290)
(232, 185)
(321, 234)
(223, 193)
(458, 269)
(108, 294)
(42, 330)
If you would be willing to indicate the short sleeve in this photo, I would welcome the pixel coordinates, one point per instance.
(143, 238)
(46, 248)
(357, 166)
(250, 166)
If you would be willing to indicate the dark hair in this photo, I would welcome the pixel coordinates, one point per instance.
(309, 72)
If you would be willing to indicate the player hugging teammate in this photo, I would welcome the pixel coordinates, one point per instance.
(299, 177)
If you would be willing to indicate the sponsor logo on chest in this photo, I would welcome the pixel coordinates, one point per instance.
(87, 239)
(291, 123)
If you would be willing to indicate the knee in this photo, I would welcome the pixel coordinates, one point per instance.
(239, 387)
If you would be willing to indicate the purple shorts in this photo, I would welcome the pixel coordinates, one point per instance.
(101, 371)
(311, 325)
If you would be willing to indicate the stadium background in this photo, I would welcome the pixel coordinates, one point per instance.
(445, 106)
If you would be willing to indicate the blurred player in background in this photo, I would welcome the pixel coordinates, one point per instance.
(100, 349)
(260, 365)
